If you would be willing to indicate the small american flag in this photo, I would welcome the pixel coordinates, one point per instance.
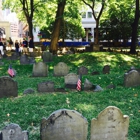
(11, 71)
(79, 83)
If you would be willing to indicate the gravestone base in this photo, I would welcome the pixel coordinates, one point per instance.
(71, 86)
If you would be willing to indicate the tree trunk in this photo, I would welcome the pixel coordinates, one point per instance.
(30, 25)
(134, 29)
(97, 33)
(56, 29)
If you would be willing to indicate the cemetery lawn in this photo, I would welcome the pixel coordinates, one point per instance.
(28, 110)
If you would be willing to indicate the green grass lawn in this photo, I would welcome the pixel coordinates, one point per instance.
(28, 110)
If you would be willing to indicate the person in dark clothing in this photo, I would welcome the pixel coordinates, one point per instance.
(31, 45)
(17, 46)
(1, 48)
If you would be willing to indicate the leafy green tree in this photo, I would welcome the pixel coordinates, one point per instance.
(116, 21)
(97, 8)
(26, 8)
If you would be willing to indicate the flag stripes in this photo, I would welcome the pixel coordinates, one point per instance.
(79, 84)
(11, 71)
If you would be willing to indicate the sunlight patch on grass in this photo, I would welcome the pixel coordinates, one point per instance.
(77, 62)
(127, 58)
(85, 107)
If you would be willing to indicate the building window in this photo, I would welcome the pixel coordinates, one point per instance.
(89, 15)
(84, 15)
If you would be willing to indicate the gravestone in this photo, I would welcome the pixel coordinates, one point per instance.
(106, 69)
(14, 132)
(82, 70)
(71, 80)
(132, 78)
(47, 56)
(24, 60)
(110, 124)
(46, 87)
(8, 87)
(40, 69)
(64, 124)
(88, 85)
(61, 69)
(14, 56)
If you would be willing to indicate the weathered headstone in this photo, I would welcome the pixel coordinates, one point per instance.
(40, 69)
(46, 86)
(110, 124)
(61, 69)
(47, 56)
(14, 56)
(82, 70)
(24, 60)
(71, 80)
(64, 124)
(14, 132)
(8, 87)
(132, 79)
(106, 69)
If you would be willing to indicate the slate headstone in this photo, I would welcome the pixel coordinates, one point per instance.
(46, 86)
(71, 80)
(47, 56)
(82, 70)
(24, 60)
(14, 132)
(40, 69)
(110, 124)
(8, 87)
(132, 78)
(64, 124)
(106, 69)
(61, 69)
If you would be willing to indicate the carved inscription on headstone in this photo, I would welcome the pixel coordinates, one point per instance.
(40, 69)
(14, 132)
(71, 80)
(110, 124)
(61, 69)
(64, 124)
(132, 78)
(8, 87)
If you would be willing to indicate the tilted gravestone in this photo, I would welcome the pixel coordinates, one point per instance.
(132, 78)
(13, 132)
(47, 56)
(88, 85)
(46, 87)
(71, 80)
(40, 69)
(110, 124)
(8, 87)
(106, 69)
(61, 69)
(82, 70)
(64, 124)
